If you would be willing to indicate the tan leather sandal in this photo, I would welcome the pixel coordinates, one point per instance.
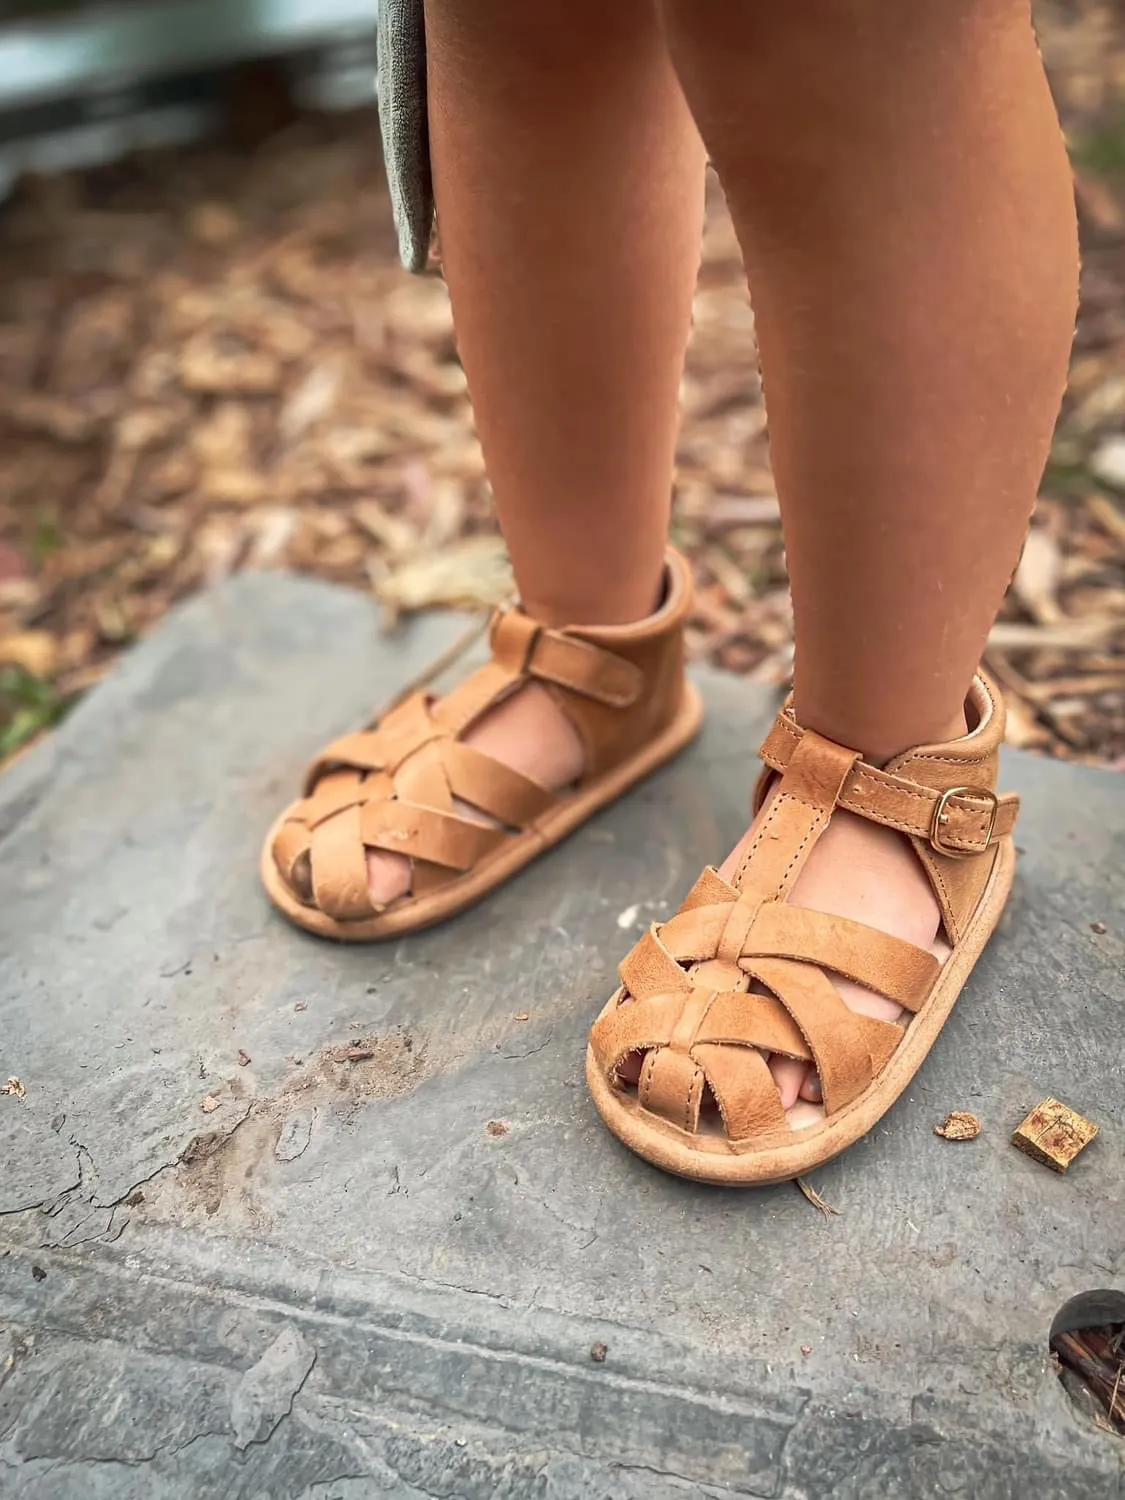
(392, 786)
(706, 1105)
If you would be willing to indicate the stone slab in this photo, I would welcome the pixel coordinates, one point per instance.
(385, 1277)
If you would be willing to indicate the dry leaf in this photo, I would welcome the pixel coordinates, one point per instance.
(321, 420)
(13, 1087)
(209, 1104)
(272, 529)
(223, 440)
(312, 400)
(212, 224)
(395, 534)
(471, 573)
(213, 372)
(48, 416)
(234, 487)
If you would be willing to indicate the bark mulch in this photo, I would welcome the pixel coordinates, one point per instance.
(209, 361)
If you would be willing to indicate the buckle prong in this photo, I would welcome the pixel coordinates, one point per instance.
(941, 816)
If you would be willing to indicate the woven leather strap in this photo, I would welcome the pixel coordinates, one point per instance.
(393, 785)
(740, 972)
(696, 1020)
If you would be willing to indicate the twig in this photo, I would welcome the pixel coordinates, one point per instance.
(816, 1200)
(448, 658)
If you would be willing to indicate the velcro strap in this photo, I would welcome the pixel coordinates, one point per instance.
(585, 668)
(960, 821)
(522, 647)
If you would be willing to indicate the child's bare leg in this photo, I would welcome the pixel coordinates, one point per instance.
(901, 192)
(569, 183)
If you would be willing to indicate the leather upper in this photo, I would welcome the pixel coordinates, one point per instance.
(740, 973)
(393, 785)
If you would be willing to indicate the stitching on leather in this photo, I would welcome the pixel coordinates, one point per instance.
(947, 900)
(758, 837)
(622, 692)
(821, 819)
(789, 728)
(910, 828)
(644, 1082)
(931, 795)
(964, 807)
(793, 797)
(882, 785)
(953, 760)
(696, 1077)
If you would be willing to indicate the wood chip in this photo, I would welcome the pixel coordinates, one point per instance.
(356, 1052)
(1068, 635)
(959, 1125)
(235, 374)
(816, 1200)
(1108, 514)
(243, 1058)
(1053, 1134)
(1037, 578)
(36, 651)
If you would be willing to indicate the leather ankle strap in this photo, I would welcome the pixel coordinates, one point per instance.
(528, 649)
(958, 821)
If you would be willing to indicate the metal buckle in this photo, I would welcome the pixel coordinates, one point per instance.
(941, 815)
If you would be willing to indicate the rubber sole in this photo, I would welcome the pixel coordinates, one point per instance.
(413, 914)
(713, 1159)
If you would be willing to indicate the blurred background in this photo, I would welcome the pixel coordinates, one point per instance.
(210, 361)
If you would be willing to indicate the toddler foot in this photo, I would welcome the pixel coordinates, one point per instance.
(528, 732)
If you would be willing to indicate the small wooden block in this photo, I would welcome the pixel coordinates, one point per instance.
(1054, 1134)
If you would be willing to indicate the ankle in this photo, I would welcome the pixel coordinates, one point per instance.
(880, 743)
(627, 603)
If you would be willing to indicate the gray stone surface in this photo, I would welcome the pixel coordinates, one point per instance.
(342, 1284)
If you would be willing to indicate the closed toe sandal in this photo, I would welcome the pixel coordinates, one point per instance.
(392, 786)
(739, 973)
